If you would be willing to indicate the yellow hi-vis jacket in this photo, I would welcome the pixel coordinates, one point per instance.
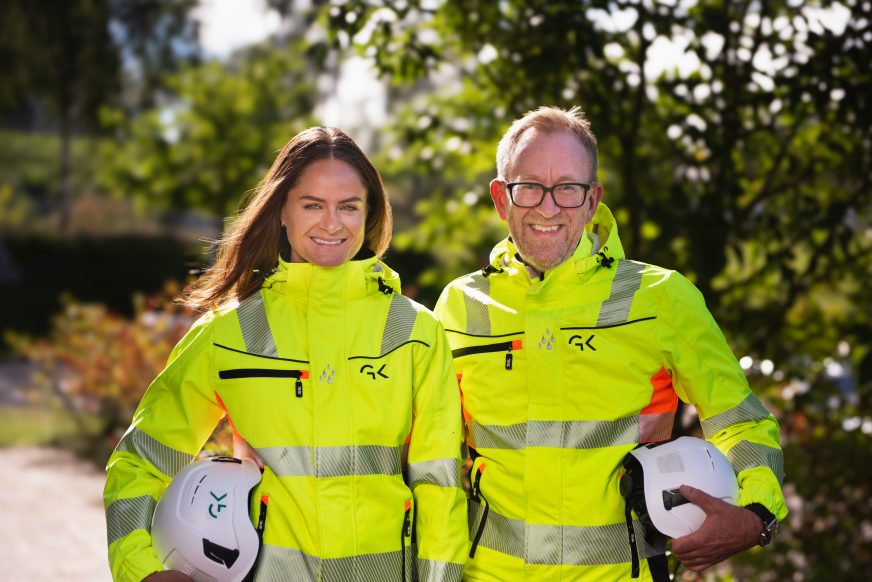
(335, 383)
(561, 376)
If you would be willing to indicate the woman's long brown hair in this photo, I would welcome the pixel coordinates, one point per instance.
(250, 248)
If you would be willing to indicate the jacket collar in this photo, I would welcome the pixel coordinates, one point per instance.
(600, 243)
(350, 281)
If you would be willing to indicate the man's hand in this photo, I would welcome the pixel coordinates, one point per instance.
(167, 576)
(726, 531)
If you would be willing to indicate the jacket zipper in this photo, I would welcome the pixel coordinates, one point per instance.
(406, 532)
(238, 373)
(508, 347)
(478, 497)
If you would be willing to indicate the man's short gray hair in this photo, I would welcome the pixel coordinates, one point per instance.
(548, 120)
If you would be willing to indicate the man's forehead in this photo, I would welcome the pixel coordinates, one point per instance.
(536, 151)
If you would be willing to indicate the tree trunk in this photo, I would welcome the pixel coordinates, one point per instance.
(66, 138)
(65, 110)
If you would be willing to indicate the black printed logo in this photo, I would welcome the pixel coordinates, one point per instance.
(581, 343)
(373, 373)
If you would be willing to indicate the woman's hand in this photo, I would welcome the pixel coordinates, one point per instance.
(168, 576)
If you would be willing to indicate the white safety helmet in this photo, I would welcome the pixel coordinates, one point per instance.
(201, 525)
(654, 473)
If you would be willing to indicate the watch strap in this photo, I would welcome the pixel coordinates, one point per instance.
(770, 523)
(763, 513)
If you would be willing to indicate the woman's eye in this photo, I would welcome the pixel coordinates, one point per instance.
(349, 208)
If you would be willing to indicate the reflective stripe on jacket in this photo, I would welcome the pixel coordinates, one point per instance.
(560, 377)
(335, 384)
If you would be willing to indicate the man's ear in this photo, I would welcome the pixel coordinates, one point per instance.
(500, 195)
(594, 197)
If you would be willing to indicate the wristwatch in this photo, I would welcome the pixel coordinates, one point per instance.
(770, 523)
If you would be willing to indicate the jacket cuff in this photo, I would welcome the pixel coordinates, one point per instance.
(753, 489)
(139, 568)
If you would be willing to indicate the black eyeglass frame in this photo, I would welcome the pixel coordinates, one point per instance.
(545, 190)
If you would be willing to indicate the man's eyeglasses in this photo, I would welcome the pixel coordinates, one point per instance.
(531, 194)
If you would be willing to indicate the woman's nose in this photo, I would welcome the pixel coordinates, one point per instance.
(331, 221)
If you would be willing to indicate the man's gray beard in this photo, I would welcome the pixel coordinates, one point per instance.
(541, 268)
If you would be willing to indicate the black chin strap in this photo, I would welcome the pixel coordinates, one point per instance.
(632, 533)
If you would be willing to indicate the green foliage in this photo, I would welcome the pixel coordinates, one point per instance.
(211, 143)
(747, 168)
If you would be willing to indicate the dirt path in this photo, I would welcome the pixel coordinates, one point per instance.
(52, 525)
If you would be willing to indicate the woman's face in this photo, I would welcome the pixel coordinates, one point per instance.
(325, 214)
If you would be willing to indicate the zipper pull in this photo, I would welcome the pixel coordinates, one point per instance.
(261, 522)
(509, 358)
(407, 524)
(299, 388)
(476, 486)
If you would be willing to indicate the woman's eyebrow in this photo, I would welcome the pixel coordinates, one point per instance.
(316, 199)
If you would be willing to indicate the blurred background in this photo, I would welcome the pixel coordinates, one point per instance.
(735, 146)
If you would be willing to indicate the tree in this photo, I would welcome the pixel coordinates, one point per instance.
(64, 54)
(747, 168)
(215, 138)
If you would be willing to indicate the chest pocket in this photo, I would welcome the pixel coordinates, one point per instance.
(239, 373)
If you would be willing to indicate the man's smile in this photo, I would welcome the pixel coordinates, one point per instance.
(546, 228)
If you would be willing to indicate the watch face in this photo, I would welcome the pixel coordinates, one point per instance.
(769, 534)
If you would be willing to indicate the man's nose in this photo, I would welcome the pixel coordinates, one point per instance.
(549, 207)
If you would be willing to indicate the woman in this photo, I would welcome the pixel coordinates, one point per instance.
(297, 286)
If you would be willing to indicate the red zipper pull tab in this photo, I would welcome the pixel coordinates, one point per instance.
(304, 375)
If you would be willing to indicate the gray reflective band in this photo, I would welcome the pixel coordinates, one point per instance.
(747, 455)
(495, 436)
(502, 534)
(126, 515)
(436, 571)
(583, 434)
(357, 460)
(477, 316)
(569, 434)
(255, 328)
(166, 460)
(384, 566)
(628, 279)
(399, 324)
(278, 564)
(411, 557)
(561, 545)
(750, 409)
(607, 544)
(288, 461)
(441, 472)
(655, 427)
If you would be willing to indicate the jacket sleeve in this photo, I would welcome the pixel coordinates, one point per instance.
(434, 466)
(705, 373)
(173, 420)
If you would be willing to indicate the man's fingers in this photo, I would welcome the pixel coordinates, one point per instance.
(698, 497)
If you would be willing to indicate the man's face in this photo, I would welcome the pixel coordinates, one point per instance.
(547, 235)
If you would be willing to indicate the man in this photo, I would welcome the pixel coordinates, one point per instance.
(568, 356)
